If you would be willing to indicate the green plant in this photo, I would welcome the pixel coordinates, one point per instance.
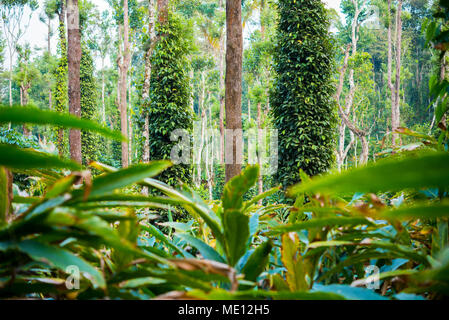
(301, 100)
(169, 101)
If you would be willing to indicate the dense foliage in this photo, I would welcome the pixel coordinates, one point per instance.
(169, 105)
(89, 141)
(317, 230)
(302, 101)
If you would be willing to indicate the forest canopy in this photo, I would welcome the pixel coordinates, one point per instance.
(231, 149)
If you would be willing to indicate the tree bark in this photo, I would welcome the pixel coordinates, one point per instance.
(74, 59)
(162, 7)
(125, 57)
(233, 95)
(146, 85)
(260, 148)
(395, 110)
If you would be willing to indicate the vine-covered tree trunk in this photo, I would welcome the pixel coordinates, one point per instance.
(89, 140)
(60, 93)
(233, 96)
(302, 100)
(74, 60)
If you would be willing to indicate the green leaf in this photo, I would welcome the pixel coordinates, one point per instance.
(20, 114)
(236, 234)
(206, 251)
(350, 293)
(60, 187)
(320, 223)
(59, 258)
(419, 211)
(236, 187)
(423, 171)
(17, 158)
(257, 261)
(5, 195)
(125, 177)
(161, 237)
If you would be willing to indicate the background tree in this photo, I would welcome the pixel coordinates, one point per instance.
(233, 97)
(74, 59)
(14, 27)
(170, 92)
(302, 99)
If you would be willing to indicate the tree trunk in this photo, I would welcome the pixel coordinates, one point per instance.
(162, 7)
(74, 59)
(49, 54)
(146, 86)
(233, 96)
(123, 82)
(222, 98)
(395, 114)
(62, 39)
(260, 148)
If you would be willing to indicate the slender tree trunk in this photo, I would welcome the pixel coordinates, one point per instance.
(50, 106)
(74, 59)
(146, 86)
(103, 104)
(233, 97)
(260, 148)
(125, 56)
(389, 72)
(10, 79)
(222, 98)
(395, 114)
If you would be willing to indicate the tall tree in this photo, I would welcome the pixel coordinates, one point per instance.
(89, 140)
(396, 102)
(74, 60)
(60, 90)
(14, 28)
(151, 42)
(233, 95)
(302, 101)
(46, 17)
(123, 64)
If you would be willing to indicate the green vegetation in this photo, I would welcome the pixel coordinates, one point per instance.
(358, 208)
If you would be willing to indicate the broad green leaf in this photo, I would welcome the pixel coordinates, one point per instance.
(20, 115)
(59, 258)
(161, 237)
(190, 204)
(294, 263)
(405, 251)
(220, 294)
(236, 234)
(140, 282)
(350, 293)
(206, 251)
(261, 196)
(60, 187)
(234, 190)
(125, 177)
(6, 195)
(16, 158)
(423, 171)
(257, 261)
(320, 223)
